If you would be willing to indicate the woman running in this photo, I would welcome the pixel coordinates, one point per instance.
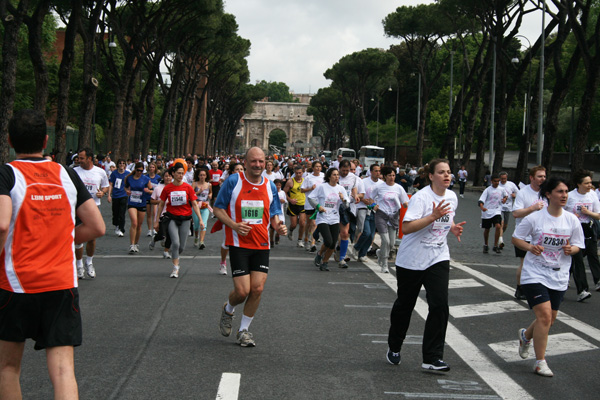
(389, 198)
(555, 236)
(154, 179)
(118, 197)
(326, 199)
(181, 203)
(423, 259)
(137, 187)
(203, 190)
(268, 172)
(162, 233)
(310, 183)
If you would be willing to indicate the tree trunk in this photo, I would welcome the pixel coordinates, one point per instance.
(37, 56)
(149, 120)
(585, 114)
(481, 139)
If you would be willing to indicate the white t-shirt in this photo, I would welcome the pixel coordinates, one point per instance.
(309, 181)
(510, 188)
(462, 175)
(107, 166)
(598, 193)
(551, 268)
(369, 185)
(282, 196)
(389, 198)
(492, 200)
(422, 249)
(349, 182)
(328, 197)
(577, 200)
(270, 177)
(360, 189)
(94, 179)
(525, 198)
(189, 177)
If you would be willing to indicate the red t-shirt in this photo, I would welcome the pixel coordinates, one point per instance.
(180, 198)
(215, 176)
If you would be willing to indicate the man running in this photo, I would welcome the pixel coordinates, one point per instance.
(96, 182)
(296, 200)
(247, 205)
(38, 293)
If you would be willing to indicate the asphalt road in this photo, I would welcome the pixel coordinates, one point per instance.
(319, 335)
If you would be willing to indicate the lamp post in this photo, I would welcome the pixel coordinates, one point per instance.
(492, 119)
(527, 98)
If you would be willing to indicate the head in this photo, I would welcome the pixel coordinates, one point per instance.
(139, 169)
(235, 167)
(344, 168)
(503, 177)
(317, 167)
(177, 171)
(201, 174)
(121, 164)
(395, 164)
(27, 132)
(556, 191)
(583, 180)
(214, 165)
(277, 183)
(167, 177)
(190, 163)
(537, 176)
(86, 158)
(298, 171)
(332, 176)
(151, 168)
(495, 180)
(375, 171)
(388, 174)
(254, 162)
(438, 172)
(353, 168)
(339, 158)
(269, 166)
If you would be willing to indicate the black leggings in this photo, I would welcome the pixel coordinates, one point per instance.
(330, 234)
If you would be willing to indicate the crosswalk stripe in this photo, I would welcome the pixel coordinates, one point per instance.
(475, 310)
(229, 387)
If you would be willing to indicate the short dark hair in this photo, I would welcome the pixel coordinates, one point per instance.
(580, 175)
(549, 185)
(88, 152)
(328, 174)
(344, 163)
(373, 166)
(27, 131)
(385, 170)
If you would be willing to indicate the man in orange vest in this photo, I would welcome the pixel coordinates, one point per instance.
(39, 293)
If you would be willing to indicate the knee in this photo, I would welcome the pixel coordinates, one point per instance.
(242, 292)
(257, 290)
(545, 318)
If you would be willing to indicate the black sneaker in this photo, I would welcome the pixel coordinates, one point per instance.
(518, 294)
(496, 250)
(393, 358)
(323, 267)
(437, 365)
(318, 260)
(313, 249)
(486, 249)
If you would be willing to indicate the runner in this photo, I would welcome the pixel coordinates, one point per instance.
(350, 183)
(296, 200)
(118, 197)
(527, 201)
(366, 238)
(424, 260)
(181, 203)
(137, 187)
(215, 179)
(310, 183)
(38, 284)
(511, 190)
(549, 238)
(162, 234)
(490, 202)
(203, 191)
(462, 180)
(253, 203)
(154, 179)
(389, 197)
(328, 199)
(585, 205)
(96, 182)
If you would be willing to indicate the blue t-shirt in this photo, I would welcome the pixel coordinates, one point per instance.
(118, 181)
(155, 181)
(137, 198)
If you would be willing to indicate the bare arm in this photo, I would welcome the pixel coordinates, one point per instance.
(5, 216)
(92, 225)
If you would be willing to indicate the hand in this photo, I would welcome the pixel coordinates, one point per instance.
(356, 199)
(109, 198)
(457, 229)
(442, 209)
(201, 225)
(376, 207)
(567, 249)
(483, 209)
(156, 226)
(537, 249)
(584, 210)
(537, 206)
(314, 186)
(242, 228)
(321, 209)
(282, 229)
(99, 194)
(293, 201)
(341, 196)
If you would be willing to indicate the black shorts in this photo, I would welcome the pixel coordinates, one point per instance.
(140, 209)
(294, 210)
(491, 222)
(520, 253)
(346, 215)
(245, 260)
(50, 318)
(536, 293)
(215, 191)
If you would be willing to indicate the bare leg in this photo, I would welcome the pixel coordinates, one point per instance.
(539, 328)
(61, 368)
(11, 354)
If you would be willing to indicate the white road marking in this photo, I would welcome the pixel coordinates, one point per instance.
(454, 396)
(229, 387)
(475, 310)
(497, 379)
(561, 343)
(378, 305)
(463, 283)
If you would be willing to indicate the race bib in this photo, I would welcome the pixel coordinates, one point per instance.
(553, 245)
(581, 216)
(252, 211)
(91, 187)
(178, 198)
(136, 196)
(118, 183)
(443, 223)
(216, 177)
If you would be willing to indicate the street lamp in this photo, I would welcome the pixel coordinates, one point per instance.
(526, 113)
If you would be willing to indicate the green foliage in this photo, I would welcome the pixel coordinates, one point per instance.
(277, 137)
(277, 92)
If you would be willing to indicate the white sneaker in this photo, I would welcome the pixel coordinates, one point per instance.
(196, 241)
(583, 295)
(300, 243)
(137, 248)
(120, 234)
(175, 273)
(166, 254)
(89, 268)
(597, 288)
(352, 252)
(149, 233)
(524, 344)
(117, 230)
(541, 368)
(131, 248)
(80, 273)
(223, 269)
(385, 270)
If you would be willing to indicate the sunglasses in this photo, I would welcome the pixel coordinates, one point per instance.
(139, 170)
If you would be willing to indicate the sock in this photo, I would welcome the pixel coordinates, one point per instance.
(343, 249)
(89, 260)
(245, 324)
(230, 309)
(524, 338)
(80, 263)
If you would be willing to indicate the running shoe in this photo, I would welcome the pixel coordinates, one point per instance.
(313, 249)
(89, 269)
(117, 231)
(318, 260)
(225, 324)
(131, 249)
(202, 246)
(597, 288)
(486, 249)
(300, 243)
(149, 233)
(245, 339)
(175, 273)
(166, 254)
(371, 252)
(524, 344)
(361, 259)
(324, 267)
(342, 264)
(196, 241)
(352, 253)
(496, 250)
(501, 243)
(223, 268)
(336, 256)
(437, 365)
(393, 358)
(306, 245)
(385, 270)
(541, 368)
(151, 244)
(120, 234)
(584, 295)
(80, 273)
(137, 248)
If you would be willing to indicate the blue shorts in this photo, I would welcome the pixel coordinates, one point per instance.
(536, 293)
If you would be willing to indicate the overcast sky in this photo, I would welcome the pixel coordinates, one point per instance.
(296, 41)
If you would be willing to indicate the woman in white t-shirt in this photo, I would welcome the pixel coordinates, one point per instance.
(310, 183)
(389, 198)
(326, 198)
(555, 236)
(424, 260)
(268, 171)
